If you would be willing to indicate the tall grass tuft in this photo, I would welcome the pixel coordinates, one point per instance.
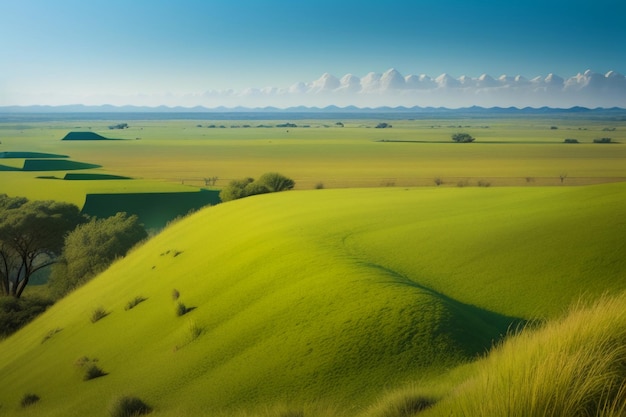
(98, 314)
(134, 302)
(574, 366)
(128, 406)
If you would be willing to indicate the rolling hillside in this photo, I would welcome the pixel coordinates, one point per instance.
(327, 295)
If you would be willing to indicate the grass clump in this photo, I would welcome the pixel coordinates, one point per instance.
(181, 309)
(98, 314)
(92, 370)
(29, 399)
(574, 366)
(134, 302)
(128, 406)
(50, 334)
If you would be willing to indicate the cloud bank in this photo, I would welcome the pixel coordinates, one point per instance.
(391, 88)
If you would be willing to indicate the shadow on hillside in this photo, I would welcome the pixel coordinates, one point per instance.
(470, 324)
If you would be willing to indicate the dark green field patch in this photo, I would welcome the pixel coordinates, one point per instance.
(8, 168)
(55, 165)
(85, 136)
(27, 155)
(94, 177)
(154, 210)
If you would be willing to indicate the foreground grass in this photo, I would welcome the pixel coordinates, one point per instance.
(571, 366)
(301, 299)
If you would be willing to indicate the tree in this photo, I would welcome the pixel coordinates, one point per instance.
(276, 182)
(270, 182)
(235, 189)
(92, 247)
(463, 138)
(31, 238)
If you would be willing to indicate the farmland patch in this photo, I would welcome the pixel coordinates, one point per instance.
(85, 136)
(55, 165)
(93, 177)
(154, 210)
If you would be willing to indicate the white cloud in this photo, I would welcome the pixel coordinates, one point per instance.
(391, 88)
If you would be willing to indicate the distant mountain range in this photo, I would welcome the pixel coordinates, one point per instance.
(79, 108)
(22, 114)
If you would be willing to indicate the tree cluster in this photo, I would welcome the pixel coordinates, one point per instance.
(268, 183)
(31, 238)
(91, 248)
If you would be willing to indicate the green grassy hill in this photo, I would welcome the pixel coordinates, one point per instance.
(331, 296)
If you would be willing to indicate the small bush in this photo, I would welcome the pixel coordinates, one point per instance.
(133, 303)
(319, 186)
(463, 138)
(128, 407)
(483, 183)
(438, 181)
(17, 312)
(97, 314)
(93, 371)
(29, 399)
(175, 294)
(571, 141)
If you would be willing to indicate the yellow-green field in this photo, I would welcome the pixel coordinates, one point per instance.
(170, 154)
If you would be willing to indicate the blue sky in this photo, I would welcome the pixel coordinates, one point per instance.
(65, 51)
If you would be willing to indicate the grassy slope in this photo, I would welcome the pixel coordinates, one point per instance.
(333, 294)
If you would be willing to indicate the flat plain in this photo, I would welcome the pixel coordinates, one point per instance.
(177, 154)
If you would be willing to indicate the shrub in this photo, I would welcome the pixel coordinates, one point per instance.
(133, 303)
(483, 183)
(571, 141)
(128, 407)
(29, 399)
(93, 371)
(270, 182)
(438, 181)
(602, 140)
(97, 314)
(17, 312)
(463, 138)
(175, 294)
(319, 186)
